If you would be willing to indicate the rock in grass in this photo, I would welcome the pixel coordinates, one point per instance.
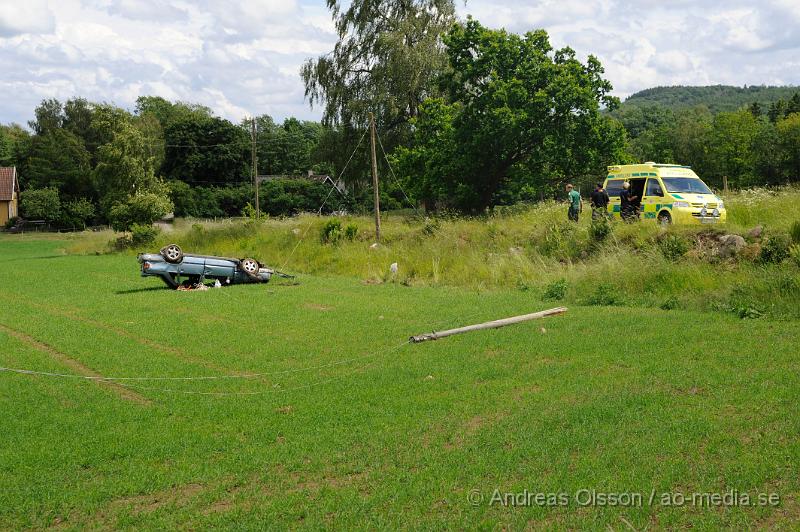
(730, 245)
(756, 232)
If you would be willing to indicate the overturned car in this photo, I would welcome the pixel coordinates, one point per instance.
(175, 268)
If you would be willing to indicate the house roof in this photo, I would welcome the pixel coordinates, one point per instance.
(8, 183)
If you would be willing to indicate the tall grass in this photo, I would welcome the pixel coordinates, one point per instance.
(529, 248)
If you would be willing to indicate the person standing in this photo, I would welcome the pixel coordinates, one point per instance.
(627, 205)
(575, 203)
(599, 202)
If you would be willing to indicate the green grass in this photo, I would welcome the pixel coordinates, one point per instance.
(387, 435)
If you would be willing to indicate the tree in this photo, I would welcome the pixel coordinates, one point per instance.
(142, 208)
(6, 147)
(767, 150)
(78, 212)
(387, 60)
(286, 149)
(690, 136)
(788, 132)
(125, 167)
(732, 142)
(167, 112)
(41, 204)
(49, 116)
(206, 150)
(59, 159)
(78, 115)
(794, 104)
(518, 105)
(777, 110)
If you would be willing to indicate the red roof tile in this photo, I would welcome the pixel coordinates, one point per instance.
(8, 183)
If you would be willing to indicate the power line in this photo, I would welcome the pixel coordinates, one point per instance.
(394, 177)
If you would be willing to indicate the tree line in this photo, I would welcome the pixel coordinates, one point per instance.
(469, 118)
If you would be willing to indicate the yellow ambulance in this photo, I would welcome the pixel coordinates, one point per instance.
(667, 193)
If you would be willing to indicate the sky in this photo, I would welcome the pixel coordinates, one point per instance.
(243, 57)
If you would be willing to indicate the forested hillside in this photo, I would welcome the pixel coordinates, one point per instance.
(716, 97)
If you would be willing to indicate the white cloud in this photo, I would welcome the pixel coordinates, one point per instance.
(27, 16)
(244, 57)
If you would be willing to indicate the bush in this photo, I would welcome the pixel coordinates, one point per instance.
(143, 234)
(331, 231)
(431, 226)
(143, 208)
(351, 232)
(41, 204)
(604, 295)
(600, 229)
(555, 291)
(671, 303)
(250, 212)
(794, 232)
(775, 250)
(560, 240)
(11, 222)
(673, 247)
(78, 212)
(794, 254)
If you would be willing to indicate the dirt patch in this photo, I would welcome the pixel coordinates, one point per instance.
(74, 365)
(471, 427)
(151, 502)
(521, 392)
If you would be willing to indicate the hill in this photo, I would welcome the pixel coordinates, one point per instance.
(717, 98)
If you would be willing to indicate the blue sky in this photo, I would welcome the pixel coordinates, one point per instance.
(241, 58)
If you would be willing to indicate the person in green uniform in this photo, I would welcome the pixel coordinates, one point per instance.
(575, 203)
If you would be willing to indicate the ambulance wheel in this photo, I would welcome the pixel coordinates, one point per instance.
(665, 218)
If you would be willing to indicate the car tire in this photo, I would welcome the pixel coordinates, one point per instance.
(664, 218)
(250, 267)
(172, 253)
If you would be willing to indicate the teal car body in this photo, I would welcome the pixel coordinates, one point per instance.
(174, 268)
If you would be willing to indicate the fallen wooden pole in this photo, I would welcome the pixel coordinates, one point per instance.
(489, 325)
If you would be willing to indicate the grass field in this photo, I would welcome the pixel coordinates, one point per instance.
(350, 427)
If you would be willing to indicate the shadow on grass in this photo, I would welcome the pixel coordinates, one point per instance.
(138, 290)
(36, 258)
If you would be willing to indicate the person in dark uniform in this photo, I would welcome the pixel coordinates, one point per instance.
(600, 201)
(627, 207)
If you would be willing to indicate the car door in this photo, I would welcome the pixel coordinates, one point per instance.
(653, 198)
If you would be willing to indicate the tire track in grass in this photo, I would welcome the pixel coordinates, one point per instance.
(74, 365)
(74, 314)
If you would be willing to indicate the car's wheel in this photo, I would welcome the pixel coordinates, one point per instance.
(250, 267)
(172, 253)
(664, 218)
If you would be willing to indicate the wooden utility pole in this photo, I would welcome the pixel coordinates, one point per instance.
(489, 325)
(725, 184)
(376, 195)
(254, 160)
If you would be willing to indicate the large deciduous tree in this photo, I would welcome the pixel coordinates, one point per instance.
(386, 61)
(59, 159)
(516, 106)
(204, 150)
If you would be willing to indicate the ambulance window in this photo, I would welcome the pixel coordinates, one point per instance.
(613, 188)
(654, 188)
